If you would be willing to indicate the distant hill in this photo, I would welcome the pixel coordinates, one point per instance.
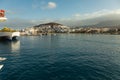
(109, 23)
(48, 24)
(50, 27)
(101, 21)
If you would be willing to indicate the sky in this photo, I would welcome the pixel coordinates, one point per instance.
(32, 12)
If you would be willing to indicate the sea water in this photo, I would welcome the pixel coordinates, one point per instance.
(61, 57)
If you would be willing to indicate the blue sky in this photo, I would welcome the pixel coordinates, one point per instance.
(38, 11)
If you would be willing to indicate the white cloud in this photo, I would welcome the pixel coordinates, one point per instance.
(95, 14)
(91, 18)
(77, 15)
(76, 19)
(51, 5)
(44, 5)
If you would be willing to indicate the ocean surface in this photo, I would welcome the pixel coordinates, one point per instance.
(61, 57)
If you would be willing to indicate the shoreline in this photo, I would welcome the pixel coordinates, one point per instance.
(71, 33)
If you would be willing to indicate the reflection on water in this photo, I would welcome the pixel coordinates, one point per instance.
(12, 46)
(15, 46)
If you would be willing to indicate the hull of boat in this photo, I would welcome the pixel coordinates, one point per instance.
(9, 35)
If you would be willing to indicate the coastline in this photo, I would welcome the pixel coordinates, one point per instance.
(53, 28)
(70, 33)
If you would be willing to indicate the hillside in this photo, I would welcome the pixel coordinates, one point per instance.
(51, 27)
(49, 24)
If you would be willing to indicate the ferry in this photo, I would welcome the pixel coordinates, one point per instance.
(9, 35)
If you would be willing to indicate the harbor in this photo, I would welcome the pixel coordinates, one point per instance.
(60, 40)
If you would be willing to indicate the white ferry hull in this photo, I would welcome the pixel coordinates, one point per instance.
(9, 35)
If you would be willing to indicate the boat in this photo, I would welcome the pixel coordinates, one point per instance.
(2, 59)
(9, 35)
(1, 67)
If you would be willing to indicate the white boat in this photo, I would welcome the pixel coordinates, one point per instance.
(9, 35)
(1, 67)
(2, 59)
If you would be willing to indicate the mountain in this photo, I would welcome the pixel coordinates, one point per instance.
(109, 23)
(51, 24)
(49, 28)
(101, 21)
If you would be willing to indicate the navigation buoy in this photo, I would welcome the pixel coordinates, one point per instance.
(2, 16)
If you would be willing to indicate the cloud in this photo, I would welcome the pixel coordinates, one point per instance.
(96, 14)
(77, 15)
(19, 23)
(49, 5)
(92, 18)
(44, 5)
(77, 19)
